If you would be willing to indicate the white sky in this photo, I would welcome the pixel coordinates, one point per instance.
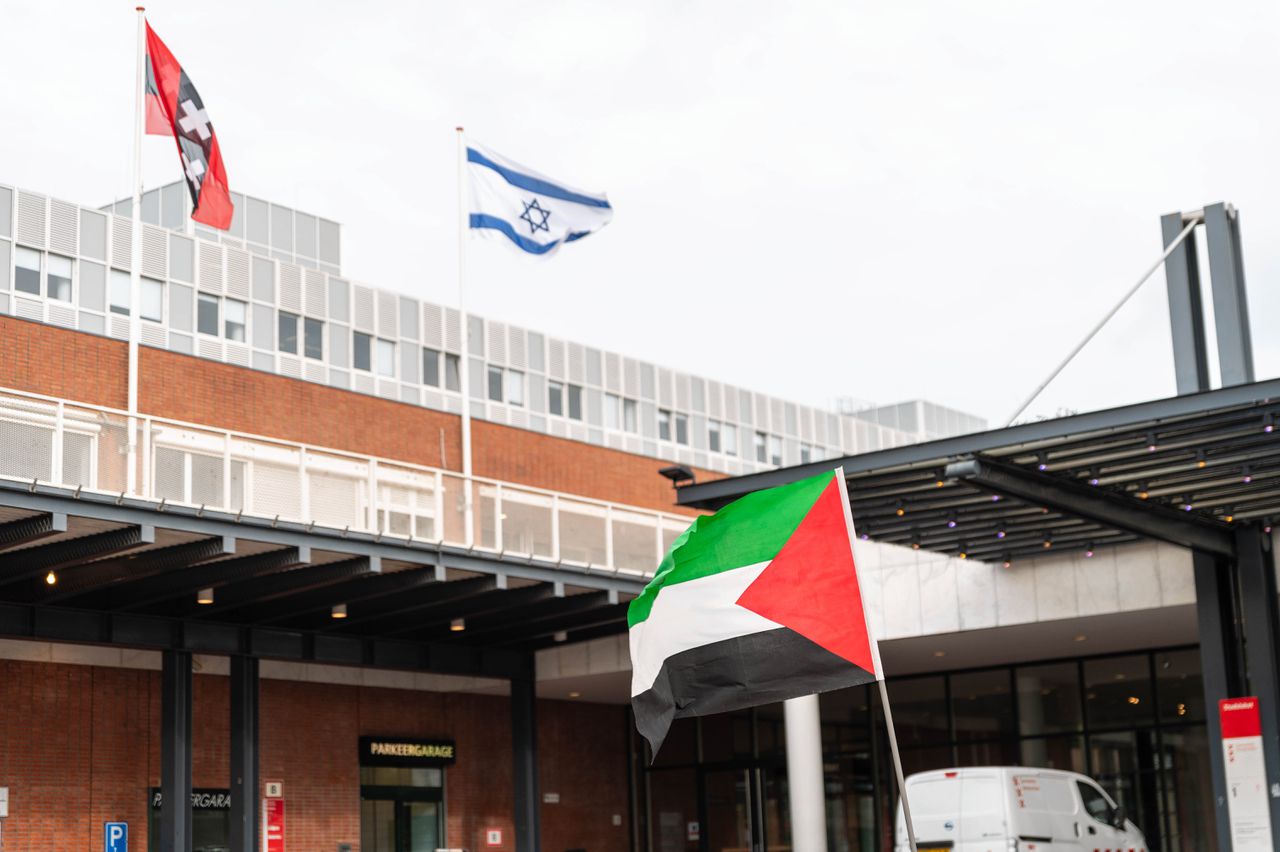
(813, 199)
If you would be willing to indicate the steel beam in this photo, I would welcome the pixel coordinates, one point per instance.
(1230, 301)
(211, 575)
(244, 754)
(534, 618)
(524, 746)
(21, 565)
(175, 752)
(1221, 669)
(26, 530)
(82, 579)
(429, 599)
(281, 585)
(320, 601)
(420, 621)
(518, 635)
(1186, 315)
(936, 453)
(1095, 504)
(1261, 624)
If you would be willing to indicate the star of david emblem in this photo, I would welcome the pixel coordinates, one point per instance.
(536, 215)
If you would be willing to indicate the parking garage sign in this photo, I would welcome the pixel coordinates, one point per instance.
(115, 837)
(1247, 805)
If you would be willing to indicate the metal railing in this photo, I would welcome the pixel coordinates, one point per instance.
(53, 441)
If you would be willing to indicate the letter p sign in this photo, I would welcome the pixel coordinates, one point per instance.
(116, 837)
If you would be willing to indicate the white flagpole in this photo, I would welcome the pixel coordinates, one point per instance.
(135, 254)
(879, 672)
(897, 765)
(463, 369)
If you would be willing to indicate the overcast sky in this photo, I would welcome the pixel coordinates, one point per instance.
(813, 199)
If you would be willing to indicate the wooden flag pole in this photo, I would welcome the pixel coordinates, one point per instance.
(897, 764)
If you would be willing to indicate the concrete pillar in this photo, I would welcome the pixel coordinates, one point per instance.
(805, 785)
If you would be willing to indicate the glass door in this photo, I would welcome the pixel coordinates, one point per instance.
(745, 810)
(390, 825)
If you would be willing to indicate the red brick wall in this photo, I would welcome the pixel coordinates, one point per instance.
(57, 362)
(81, 745)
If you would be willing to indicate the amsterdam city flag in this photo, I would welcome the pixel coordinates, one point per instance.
(757, 603)
(174, 108)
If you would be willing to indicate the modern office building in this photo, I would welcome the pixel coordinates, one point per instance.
(261, 593)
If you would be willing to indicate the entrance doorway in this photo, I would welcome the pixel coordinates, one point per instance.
(401, 809)
(746, 810)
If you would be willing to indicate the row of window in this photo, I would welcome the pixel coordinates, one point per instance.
(226, 317)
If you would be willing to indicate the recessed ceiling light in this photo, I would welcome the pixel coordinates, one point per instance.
(458, 625)
(575, 694)
(1080, 637)
(51, 578)
(561, 635)
(204, 596)
(939, 653)
(338, 611)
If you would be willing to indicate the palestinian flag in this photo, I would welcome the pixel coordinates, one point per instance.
(757, 603)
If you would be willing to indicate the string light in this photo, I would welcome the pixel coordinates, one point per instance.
(952, 522)
(1248, 475)
(1000, 533)
(1088, 550)
(901, 510)
(51, 578)
(1151, 442)
(1048, 541)
(1044, 463)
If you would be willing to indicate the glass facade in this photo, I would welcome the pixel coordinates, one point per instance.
(1134, 722)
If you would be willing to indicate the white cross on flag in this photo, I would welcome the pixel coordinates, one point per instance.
(174, 109)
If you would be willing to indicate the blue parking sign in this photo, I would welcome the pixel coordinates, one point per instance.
(115, 836)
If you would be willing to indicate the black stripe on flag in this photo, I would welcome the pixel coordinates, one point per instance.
(759, 668)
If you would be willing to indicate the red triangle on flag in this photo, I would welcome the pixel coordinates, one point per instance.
(811, 586)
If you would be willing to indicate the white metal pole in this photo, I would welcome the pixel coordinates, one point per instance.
(805, 783)
(464, 372)
(897, 765)
(135, 252)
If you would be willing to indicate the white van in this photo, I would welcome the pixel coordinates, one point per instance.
(1007, 808)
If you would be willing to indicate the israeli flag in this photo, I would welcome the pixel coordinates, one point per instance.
(535, 213)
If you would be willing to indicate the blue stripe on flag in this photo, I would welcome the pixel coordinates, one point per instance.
(484, 220)
(534, 184)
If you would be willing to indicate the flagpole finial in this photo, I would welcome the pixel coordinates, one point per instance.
(139, 8)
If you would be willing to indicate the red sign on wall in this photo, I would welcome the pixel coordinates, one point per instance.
(273, 825)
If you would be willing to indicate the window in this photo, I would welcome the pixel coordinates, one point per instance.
(207, 315)
(26, 275)
(153, 300)
(730, 439)
(630, 422)
(682, 429)
(313, 338)
(287, 327)
(664, 424)
(1095, 802)
(515, 387)
(575, 402)
(761, 453)
(362, 354)
(119, 296)
(452, 372)
(495, 384)
(430, 367)
(59, 279)
(612, 411)
(806, 454)
(386, 358)
(775, 450)
(233, 320)
(713, 435)
(555, 398)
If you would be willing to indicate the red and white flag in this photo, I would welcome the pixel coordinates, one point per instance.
(174, 107)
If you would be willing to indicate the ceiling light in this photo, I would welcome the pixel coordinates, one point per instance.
(338, 611)
(1044, 462)
(561, 635)
(1200, 462)
(939, 654)
(1093, 477)
(1133, 699)
(51, 578)
(1268, 423)
(1247, 475)
(964, 555)
(1080, 637)
(458, 625)
(1048, 541)
(575, 694)
(951, 521)
(1008, 562)
(939, 483)
(901, 510)
(1000, 533)
(1151, 442)
(1088, 550)
(995, 498)
(204, 596)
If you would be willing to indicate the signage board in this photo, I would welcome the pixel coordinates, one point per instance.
(401, 751)
(203, 799)
(551, 798)
(274, 789)
(1248, 809)
(493, 837)
(693, 831)
(273, 825)
(115, 836)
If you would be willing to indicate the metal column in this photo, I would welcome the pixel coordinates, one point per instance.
(1230, 302)
(1220, 668)
(244, 754)
(524, 743)
(1186, 314)
(806, 784)
(175, 752)
(1259, 614)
